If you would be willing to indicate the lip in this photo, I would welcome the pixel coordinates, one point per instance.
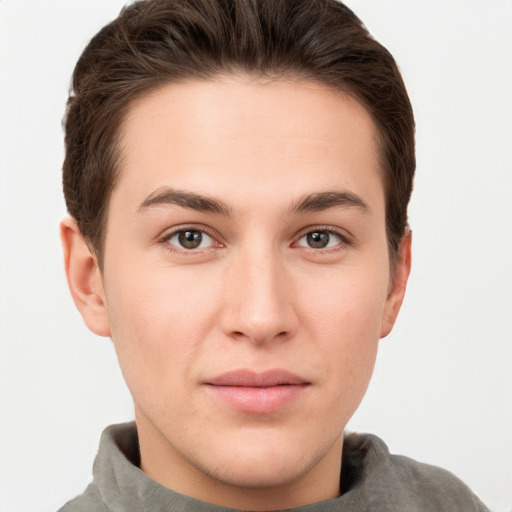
(259, 393)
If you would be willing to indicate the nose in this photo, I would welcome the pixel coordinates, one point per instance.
(259, 299)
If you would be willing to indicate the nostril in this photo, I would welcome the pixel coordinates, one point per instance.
(258, 337)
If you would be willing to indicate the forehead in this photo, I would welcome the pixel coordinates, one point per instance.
(235, 133)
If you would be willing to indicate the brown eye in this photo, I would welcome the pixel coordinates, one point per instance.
(321, 239)
(318, 239)
(190, 239)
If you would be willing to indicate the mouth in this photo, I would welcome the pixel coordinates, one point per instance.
(258, 393)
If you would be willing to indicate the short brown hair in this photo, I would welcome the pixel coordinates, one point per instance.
(156, 42)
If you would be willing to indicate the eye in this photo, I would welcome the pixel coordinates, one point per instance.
(321, 239)
(190, 239)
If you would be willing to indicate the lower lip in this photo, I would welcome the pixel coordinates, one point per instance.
(260, 400)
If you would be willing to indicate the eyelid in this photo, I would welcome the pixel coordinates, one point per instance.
(171, 232)
(345, 236)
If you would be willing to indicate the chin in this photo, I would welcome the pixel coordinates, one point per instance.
(265, 462)
(260, 474)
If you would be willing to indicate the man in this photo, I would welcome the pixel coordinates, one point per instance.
(237, 175)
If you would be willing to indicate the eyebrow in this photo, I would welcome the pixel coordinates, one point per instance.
(321, 201)
(169, 196)
(316, 202)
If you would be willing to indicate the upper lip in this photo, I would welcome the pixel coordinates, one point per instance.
(250, 378)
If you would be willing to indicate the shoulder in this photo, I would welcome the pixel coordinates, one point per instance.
(404, 482)
(89, 501)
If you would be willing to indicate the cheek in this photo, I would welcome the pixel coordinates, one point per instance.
(158, 321)
(345, 319)
(348, 305)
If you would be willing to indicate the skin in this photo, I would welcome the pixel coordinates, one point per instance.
(258, 293)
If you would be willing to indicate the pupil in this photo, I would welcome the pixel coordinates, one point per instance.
(190, 239)
(318, 239)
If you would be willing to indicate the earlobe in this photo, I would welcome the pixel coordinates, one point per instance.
(84, 278)
(397, 292)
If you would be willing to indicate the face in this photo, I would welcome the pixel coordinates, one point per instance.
(246, 284)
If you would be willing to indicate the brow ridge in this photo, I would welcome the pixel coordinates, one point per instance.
(321, 201)
(168, 196)
(315, 202)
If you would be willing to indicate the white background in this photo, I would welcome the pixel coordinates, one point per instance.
(442, 391)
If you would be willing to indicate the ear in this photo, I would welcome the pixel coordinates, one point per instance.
(397, 292)
(84, 278)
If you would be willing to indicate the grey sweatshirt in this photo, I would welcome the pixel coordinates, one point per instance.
(372, 480)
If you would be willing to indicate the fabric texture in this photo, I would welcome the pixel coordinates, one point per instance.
(372, 480)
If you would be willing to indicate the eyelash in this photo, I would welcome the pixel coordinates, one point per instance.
(344, 239)
(166, 240)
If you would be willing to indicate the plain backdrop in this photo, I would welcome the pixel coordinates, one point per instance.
(442, 389)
